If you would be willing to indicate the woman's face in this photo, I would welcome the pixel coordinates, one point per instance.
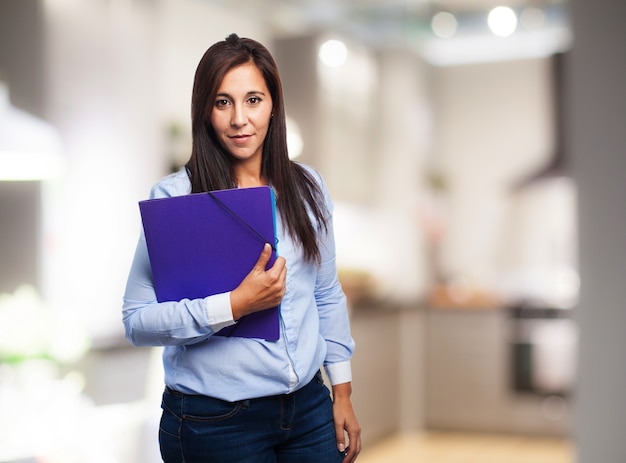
(241, 113)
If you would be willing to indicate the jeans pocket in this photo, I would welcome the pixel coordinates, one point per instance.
(170, 422)
(208, 409)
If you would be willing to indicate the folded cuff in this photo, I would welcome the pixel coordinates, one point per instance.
(219, 311)
(339, 373)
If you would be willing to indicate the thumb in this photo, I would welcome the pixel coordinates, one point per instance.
(341, 439)
(264, 258)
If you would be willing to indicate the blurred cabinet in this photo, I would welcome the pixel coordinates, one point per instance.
(387, 370)
(468, 386)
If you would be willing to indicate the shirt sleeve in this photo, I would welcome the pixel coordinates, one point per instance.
(332, 307)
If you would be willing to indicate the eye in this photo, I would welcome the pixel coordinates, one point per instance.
(221, 102)
(254, 100)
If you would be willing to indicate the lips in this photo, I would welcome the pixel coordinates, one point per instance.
(240, 139)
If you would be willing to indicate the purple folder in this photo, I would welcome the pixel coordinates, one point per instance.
(206, 243)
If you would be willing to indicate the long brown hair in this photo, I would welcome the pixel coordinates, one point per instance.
(210, 165)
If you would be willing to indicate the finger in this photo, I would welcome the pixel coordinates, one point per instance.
(341, 439)
(266, 253)
(355, 440)
(278, 269)
(354, 447)
(280, 263)
(351, 455)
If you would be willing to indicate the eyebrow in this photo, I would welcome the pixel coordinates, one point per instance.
(251, 92)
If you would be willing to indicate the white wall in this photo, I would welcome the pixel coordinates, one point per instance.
(402, 139)
(493, 126)
(100, 62)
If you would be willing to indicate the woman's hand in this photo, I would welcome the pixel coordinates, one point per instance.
(261, 289)
(346, 422)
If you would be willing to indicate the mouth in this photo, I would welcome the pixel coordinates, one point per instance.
(240, 139)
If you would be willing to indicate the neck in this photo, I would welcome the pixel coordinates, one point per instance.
(248, 175)
(249, 182)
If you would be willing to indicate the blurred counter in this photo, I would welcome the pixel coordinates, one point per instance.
(472, 374)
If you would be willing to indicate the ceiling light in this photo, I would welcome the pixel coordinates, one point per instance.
(502, 21)
(333, 53)
(444, 25)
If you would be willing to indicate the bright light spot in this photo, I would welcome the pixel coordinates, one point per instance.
(444, 25)
(295, 145)
(16, 166)
(502, 21)
(333, 53)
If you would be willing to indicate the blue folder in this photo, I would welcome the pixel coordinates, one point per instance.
(206, 243)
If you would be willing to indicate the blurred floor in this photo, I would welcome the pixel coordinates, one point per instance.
(439, 447)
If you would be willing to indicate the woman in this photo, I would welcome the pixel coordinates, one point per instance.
(230, 399)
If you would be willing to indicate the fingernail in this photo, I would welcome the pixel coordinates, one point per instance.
(341, 447)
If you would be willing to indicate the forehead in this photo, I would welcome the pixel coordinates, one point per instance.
(244, 78)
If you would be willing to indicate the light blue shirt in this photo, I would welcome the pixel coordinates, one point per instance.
(314, 325)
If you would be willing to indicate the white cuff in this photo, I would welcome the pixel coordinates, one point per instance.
(219, 311)
(339, 373)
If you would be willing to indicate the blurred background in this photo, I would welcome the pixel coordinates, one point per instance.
(474, 154)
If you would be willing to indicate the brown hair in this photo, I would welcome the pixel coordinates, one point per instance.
(210, 168)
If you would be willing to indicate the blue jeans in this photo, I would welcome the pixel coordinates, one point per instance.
(290, 428)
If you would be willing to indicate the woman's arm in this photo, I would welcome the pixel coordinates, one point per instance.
(335, 328)
(346, 423)
(150, 323)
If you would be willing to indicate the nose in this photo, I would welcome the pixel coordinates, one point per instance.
(239, 116)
